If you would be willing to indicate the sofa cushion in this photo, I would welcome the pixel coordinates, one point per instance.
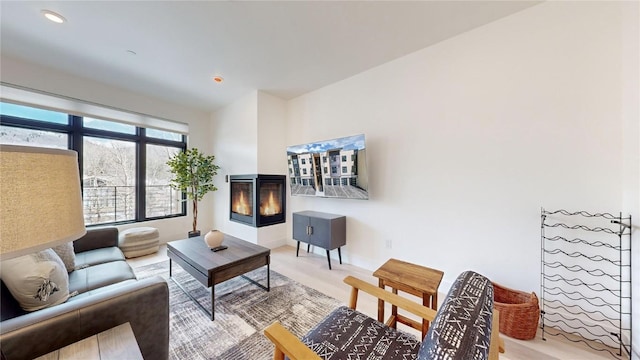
(462, 327)
(36, 280)
(97, 238)
(67, 255)
(100, 290)
(349, 334)
(93, 277)
(9, 307)
(98, 256)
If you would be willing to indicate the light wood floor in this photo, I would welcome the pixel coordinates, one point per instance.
(312, 270)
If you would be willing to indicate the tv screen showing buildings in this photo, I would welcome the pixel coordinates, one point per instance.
(333, 168)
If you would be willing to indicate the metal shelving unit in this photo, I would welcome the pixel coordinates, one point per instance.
(586, 279)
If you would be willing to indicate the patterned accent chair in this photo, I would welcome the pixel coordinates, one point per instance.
(464, 328)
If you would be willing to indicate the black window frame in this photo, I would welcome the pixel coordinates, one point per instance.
(75, 133)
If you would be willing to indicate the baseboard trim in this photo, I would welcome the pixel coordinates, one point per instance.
(272, 244)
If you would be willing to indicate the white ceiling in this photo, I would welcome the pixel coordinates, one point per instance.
(284, 48)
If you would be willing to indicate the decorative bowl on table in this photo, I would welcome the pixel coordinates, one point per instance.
(214, 239)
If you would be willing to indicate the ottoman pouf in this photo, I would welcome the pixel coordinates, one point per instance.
(139, 241)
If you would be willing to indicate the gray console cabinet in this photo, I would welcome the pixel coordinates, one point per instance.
(327, 231)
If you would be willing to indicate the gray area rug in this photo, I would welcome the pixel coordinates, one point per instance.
(242, 312)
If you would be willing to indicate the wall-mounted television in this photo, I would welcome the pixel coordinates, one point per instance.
(335, 168)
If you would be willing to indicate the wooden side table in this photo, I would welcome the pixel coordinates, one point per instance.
(413, 279)
(113, 344)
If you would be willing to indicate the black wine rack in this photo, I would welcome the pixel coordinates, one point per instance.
(586, 279)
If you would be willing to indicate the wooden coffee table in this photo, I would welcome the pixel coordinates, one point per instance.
(211, 268)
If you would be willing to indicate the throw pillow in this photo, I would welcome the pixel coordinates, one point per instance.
(67, 255)
(37, 280)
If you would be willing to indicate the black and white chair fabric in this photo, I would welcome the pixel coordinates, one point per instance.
(461, 329)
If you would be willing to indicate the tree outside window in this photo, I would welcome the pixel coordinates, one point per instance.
(108, 178)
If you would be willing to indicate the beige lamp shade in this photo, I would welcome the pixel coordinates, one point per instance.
(40, 199)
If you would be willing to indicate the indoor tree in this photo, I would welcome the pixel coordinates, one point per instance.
(193, 174)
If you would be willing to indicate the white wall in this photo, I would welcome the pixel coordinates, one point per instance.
(272, 139)
(19, 72)
(249, 139)
(468, 139)
(235, 145)
(272, 156)
(630, 105)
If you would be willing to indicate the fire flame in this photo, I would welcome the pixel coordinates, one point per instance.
(271, 207)
(241, 206)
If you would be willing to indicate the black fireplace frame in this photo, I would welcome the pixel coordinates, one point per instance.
(256, 181)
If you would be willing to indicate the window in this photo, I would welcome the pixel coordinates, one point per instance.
(304, 171)
(324, 159)
(161, 199)
(125, 177)
(29, 137)
(303, 162)
(334, 169)
(325, 170)
(108, 125)
(20, 111)
(344, 169)
(161, 134)
(344, 158)
(108, 180)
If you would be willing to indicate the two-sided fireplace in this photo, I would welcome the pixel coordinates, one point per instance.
(258, 200)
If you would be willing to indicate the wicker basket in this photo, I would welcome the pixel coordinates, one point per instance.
(519, 312)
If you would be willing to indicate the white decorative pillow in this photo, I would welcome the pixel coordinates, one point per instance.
(37, 280)
(67, 255)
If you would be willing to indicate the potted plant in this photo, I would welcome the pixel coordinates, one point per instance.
(193, 174)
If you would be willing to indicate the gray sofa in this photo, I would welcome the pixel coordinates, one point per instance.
(108, 295)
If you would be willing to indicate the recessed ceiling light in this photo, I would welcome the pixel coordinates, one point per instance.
(56, 18)
(218, 79)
